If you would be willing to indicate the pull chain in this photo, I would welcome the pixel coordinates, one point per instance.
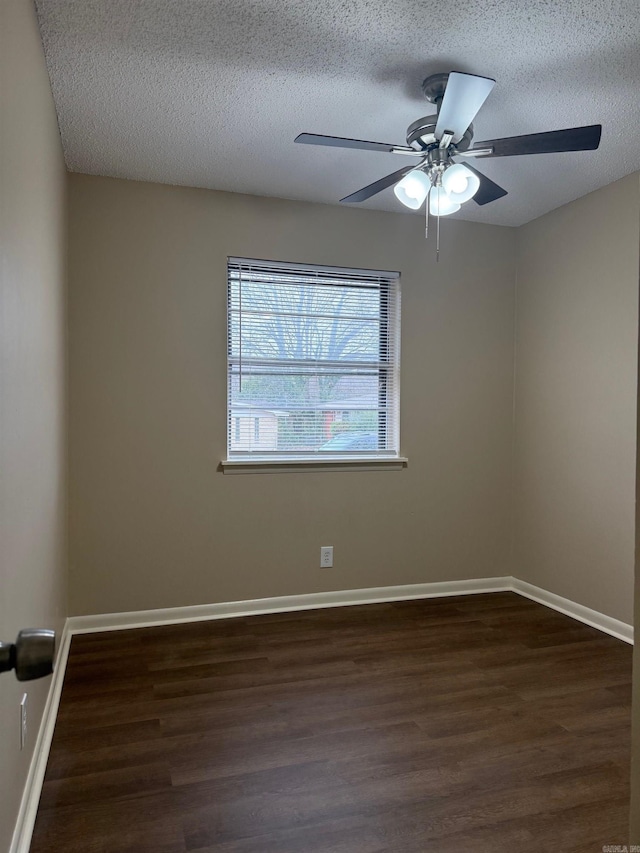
(438, 230)
(426, 218)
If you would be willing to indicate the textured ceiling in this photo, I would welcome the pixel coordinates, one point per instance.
(211, 93)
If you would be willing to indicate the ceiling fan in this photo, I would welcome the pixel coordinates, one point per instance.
(439, 142)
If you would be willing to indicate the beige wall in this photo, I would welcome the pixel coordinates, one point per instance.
(32, 376)
(576, 381)
(153, 523)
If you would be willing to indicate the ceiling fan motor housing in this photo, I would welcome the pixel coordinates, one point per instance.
(421, 134)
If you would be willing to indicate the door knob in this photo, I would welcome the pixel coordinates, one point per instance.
(31, 655)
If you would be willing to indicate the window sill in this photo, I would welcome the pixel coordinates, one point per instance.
(283, 466)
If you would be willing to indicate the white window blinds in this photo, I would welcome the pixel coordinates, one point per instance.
(313, 361)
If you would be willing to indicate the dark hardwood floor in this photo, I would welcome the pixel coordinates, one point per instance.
(471, 724)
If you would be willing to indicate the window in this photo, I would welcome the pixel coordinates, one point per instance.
(313, 359)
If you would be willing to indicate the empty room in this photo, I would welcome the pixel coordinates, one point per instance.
(318, 426)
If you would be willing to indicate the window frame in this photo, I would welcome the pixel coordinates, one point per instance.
(388, 367)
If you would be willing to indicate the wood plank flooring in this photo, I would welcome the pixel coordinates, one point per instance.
(470, 724)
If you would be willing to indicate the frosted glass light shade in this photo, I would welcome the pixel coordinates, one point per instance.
(413, 189)
(440, 203)
(460, 183)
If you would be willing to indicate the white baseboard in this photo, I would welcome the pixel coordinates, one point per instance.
(345, 598)
(598, 620)
(25, 822)
(227, 610)
(283, 604)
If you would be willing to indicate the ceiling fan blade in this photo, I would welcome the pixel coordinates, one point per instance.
(378, 186)
(362, 144)
(463, 97)
(488, 190)
(553, 141)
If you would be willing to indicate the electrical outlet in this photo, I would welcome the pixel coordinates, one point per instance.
(326, 556)
(23, 721)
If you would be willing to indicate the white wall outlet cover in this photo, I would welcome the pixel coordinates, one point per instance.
(326, 556)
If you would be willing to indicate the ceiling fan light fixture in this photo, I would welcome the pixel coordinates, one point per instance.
(441, 203)
(413, 189)
(460, 183)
